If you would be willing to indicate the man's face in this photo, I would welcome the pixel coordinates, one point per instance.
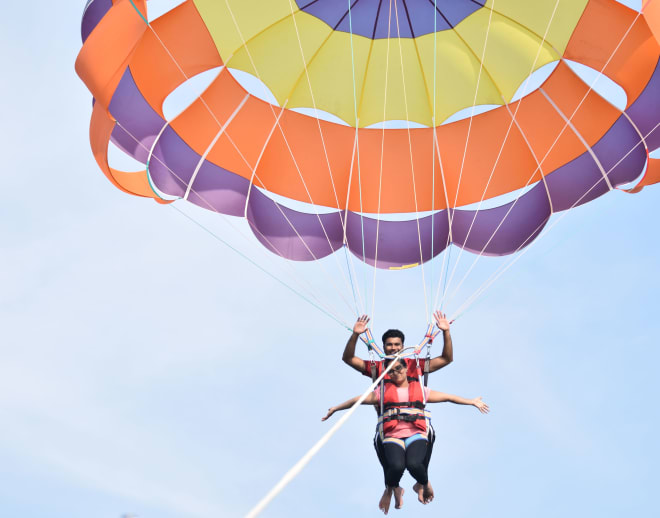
(392, 346)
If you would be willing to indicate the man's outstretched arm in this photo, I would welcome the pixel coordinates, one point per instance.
(349, 357)
(447, 355)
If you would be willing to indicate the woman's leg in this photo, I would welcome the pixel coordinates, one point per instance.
(415, 460)
(395, 459)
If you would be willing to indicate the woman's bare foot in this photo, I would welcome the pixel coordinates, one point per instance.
(419, 489)
(398, 497)
(428, 493)
(384, 504)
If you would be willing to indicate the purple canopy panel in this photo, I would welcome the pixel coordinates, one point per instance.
(581, 180)
(172, 166)
(645, 111)
(94, 11)
(134, 113)
(502, 230)
(398, 241)
(362, 19)
(291, 234)
(376, 19)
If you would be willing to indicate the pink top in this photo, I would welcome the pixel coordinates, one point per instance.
(403, 429)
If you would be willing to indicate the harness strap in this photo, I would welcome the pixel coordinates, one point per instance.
(403, 414)
(410, 378)
(405, 404)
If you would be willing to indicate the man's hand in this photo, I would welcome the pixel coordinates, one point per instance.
(441, 320)
(361, 324)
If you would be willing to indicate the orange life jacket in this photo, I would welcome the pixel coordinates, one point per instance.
(410, 410)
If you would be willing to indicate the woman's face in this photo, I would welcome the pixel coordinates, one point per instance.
(399, 373)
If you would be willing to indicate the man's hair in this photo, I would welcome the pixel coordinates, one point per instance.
(393, 333)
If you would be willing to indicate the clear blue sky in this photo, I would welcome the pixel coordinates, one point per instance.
(147, 369)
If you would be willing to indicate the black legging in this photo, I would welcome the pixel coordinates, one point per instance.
(378, 445)
(398, 459)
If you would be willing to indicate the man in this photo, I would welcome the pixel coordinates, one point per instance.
(392, 344)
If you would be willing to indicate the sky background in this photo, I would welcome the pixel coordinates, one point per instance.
(145, 368)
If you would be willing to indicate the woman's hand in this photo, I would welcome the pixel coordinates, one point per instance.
(331, 411)
(481, 406)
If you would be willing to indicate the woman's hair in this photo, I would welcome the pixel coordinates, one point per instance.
(400, 361)
(393, 333)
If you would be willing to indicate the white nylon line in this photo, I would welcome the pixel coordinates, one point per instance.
(292, 157)
(579, 136)
(297, 168)
(244, 256)
(467, 138)
(304, 460)
(318, 122)
(474, 101)
(311, 92)
(412, 161)
(356, 154)
(183, 73)
(567, 120)
(345, 221)
(299, 280)
(212, 144)
(506, 136)
(382, 152)
(434, 108)
(151, 152)
(261, 154)
(515, 256)
(539, 167)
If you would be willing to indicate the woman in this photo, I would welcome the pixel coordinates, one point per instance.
(404, 429)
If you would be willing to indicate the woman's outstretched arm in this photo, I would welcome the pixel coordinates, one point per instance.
(370, 400)
(441, 397)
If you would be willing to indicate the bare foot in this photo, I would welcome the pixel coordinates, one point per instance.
(419, 489)
(398, 497)
(428, 493)
(384, 504)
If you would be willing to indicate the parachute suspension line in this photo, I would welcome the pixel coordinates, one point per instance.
(474, 101)
(304, 460)
(412, 162)
(254, 263)
(357, 152)
(446, 256)
(467, 138)
(151, 152)
(318, 122)
(202, 159)
(249, 165)
(286, 141)
(539, 167)
(349, 260)
(356, 155)
(579, 136)
(316, 304)
(497, 159)
(516, 256)
(261, 154)
(303, 297)
(567, 123)
(382, 152)
(138, 11)
(434, 105)
(311, 93)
